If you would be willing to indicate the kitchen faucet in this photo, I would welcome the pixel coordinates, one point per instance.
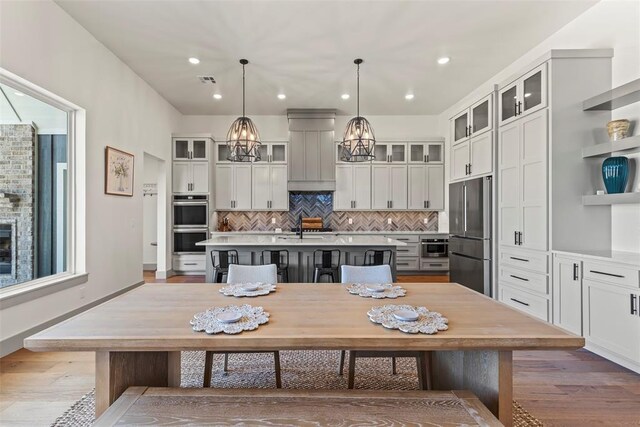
(299, 226)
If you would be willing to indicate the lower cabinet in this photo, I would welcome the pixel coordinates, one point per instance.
(567, 294)
(189, 263)
(611, 318)
(535, 305)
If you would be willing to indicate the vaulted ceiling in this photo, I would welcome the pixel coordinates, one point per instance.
(305, 49)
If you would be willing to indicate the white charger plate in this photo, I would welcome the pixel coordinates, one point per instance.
(229, 316)
(406, 315)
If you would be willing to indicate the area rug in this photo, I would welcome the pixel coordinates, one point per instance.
(300, 370)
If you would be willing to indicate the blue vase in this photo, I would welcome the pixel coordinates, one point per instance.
(615, 171)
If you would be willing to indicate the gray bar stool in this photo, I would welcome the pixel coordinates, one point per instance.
(280, 258)
(225, 259)
(324, 265)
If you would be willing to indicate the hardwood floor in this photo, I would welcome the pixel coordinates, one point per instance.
(560, 388)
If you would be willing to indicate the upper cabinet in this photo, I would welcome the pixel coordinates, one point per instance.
(191, 148)
(426, 152)
(523, 96)
(474, 120)
(390, 152)
(273, 152)
(472, 136)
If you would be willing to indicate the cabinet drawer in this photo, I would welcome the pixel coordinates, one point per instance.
(408, 264)
(433, 265)
(534, 261)
(407, 238)
(189, 264)
(409, 250)
(531, 304)
(530, 281)
(612, 273)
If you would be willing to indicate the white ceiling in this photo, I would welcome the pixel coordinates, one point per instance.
(16, 107)
(305, 49)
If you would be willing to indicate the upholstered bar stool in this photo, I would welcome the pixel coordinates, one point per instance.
(280, 258)
(371, 275)
(326, 262)
(245, 274)
(225, 259)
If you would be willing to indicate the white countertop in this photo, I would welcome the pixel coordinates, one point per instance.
(330, 233)
(628, 258)
(310, 239)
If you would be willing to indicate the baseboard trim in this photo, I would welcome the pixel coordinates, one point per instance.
(15, 343)
(151, 266)
(600, 351)
(164, 274)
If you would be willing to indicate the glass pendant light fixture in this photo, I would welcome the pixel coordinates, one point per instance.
(359, 141)
(243, 139)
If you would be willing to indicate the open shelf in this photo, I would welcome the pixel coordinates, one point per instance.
(611, 199)
(605, 149)
(614, 98)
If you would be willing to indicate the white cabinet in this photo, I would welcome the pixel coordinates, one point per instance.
(473, 157)
(425, 152)
(273, 152)
(525, 95)
(475, 120)
(611, 318)
(190, 177)
(191, 149)
(233, 187)
(522, 198)
(389, 187)
(390, 152)
(426, 187)
(567, 294)
(353, 187)
(269, 187)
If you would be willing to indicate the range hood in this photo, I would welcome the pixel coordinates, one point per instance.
(312, 150)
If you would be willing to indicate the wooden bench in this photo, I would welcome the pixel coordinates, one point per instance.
(160, 406)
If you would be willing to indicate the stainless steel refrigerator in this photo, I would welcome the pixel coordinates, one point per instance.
(470, 219)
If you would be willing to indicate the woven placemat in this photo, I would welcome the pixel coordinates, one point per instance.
(300, 369)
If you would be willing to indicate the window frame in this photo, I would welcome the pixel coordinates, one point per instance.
(76, 221)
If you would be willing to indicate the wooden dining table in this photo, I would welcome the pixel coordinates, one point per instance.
(138, 336)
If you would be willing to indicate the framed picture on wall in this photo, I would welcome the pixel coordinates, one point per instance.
(118, 172)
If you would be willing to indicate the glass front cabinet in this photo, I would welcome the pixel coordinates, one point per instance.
(390, 152)
(191, 148)
(472, 121)
(523, 96)
(426, 152)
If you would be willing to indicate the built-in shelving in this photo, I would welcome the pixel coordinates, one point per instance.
(605, 149)
(611, 199)
(614, 98)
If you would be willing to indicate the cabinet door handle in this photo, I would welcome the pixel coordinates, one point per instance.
(519, 278)
(519, 259)
(519, 108)
(433, 264)
(520, 238)
(634, 306)
(607, 274)
(515, 237)
(190, 263)
(469, 168)
(427, 203)
(425, 159)
(470, 130)
(575, 271)
(391, 204)
(466, 131)
(519, 302)
(354, 204)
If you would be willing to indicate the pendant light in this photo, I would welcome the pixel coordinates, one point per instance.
(243, 139)
(359, 141)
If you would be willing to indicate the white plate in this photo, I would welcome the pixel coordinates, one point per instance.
(229, 316)
(376, 287)
(250, 287)
(406, 315)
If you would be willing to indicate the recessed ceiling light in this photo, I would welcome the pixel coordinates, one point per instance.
(18, 93)
(443, 60)
(282, 96)
(408, 96)
(217, 96)
(345, 96)
(194, 61)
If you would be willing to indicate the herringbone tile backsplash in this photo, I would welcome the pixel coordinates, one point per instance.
(321, 205)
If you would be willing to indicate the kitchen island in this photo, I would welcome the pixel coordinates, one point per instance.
(301, 266)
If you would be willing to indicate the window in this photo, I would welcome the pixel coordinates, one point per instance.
(37, 228)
